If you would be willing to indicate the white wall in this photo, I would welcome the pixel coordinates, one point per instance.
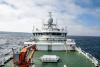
(58, 47)
(54, 47)
(42, 47)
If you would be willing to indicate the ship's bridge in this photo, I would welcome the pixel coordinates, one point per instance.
(51, 37)
(50, 28)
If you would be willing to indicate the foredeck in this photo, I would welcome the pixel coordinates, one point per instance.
(70, 59)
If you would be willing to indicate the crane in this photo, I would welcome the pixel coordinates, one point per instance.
(24, 59)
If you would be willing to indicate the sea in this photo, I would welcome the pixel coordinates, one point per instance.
(90, 44)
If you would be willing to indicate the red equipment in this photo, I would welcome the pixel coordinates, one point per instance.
(23, 60)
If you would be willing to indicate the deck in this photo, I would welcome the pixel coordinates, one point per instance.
(70, 59)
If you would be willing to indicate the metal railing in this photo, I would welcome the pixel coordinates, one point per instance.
(89, 56)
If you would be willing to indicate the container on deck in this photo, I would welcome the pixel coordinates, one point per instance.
(49, 58)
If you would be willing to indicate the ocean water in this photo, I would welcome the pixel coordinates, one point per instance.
(89, 44)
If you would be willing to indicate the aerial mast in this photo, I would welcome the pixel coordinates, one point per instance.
(50, 14)
(50, 20)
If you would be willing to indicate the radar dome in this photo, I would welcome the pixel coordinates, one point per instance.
(50, 21)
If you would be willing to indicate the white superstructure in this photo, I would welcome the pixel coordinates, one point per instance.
(50, 37)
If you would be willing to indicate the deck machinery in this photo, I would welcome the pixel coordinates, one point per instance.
(22, 59)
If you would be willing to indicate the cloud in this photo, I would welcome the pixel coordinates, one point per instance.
(21, 15)
(96, 12)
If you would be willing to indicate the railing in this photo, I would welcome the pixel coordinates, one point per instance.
(95, 61)
(5, 58)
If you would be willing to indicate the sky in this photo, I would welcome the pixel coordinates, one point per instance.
(81, 17)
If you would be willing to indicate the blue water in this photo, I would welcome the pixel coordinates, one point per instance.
(89, 44)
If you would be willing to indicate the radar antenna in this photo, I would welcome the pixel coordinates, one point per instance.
(50, 20)
(50, 14)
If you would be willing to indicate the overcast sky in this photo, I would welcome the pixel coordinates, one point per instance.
(82, 17)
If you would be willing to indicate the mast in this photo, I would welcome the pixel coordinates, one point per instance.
(50, 21)
(50, 14)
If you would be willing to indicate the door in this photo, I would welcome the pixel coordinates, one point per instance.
(49, 47)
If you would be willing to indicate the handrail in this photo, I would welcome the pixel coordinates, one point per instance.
(89, 56)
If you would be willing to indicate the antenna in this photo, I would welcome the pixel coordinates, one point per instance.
(50, 20)
(56, 22)
(50, 14)
(33, 27)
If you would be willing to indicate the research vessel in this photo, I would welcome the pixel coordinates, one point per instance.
(53, 49)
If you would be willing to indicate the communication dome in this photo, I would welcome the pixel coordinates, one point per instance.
(50, 21)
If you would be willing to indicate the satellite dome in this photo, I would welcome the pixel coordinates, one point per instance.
(50, 21)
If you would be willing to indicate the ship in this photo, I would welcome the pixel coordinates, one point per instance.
(53, 49)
